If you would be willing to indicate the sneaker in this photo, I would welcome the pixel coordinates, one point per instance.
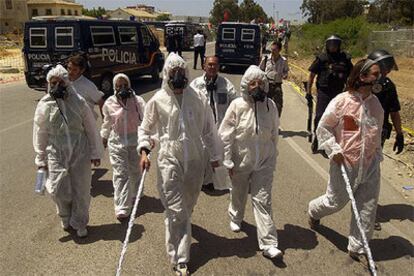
(272, 252)
(65, 223)
(82, 233)
(181, 270)
(235, 227)
(313, 223)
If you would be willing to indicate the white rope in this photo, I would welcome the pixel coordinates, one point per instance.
(358, 221)
(131, 223)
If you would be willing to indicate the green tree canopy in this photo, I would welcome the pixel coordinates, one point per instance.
(250, 10)
(392, 12)
(322, 11)
(220, 7)
(100, 11)
(163, 17)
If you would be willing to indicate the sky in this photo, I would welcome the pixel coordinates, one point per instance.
(288, 9)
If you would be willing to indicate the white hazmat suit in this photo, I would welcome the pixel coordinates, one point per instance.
(219, 100)
(352, 126)
(67, 147)
(184, 131)
(88, 91)
(120, 127)
(249, 132)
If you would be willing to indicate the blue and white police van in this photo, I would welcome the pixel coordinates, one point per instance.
(110, 47)
(238, 43)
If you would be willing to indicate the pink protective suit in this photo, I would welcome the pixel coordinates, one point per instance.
(352, 126)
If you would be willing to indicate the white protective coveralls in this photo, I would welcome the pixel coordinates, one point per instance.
(352, 126)
(67, 150)
(183, 133)
(219, 101)
(120, 127)
(88, 91)
(252, 156)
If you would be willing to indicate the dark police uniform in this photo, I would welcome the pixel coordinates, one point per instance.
(332, 71)
(389, 101)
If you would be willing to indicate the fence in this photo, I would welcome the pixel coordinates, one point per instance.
(399, 42)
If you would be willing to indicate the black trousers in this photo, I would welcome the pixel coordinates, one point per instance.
(199, 51)
(323, 99)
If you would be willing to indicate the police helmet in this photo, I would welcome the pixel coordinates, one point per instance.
(384, 59)
(333, 40)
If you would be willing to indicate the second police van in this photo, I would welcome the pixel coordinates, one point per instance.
(110, 47)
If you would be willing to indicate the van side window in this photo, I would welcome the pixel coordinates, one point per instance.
(247, 35)
(228, 34)
(146, 37)
(38, 38)
(64, 37)
(102, 35)
(128, 35)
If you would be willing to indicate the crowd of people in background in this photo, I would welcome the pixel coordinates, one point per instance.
(199, 126)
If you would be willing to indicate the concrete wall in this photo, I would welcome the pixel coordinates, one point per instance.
(56, 9)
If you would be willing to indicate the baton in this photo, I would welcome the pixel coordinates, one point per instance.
(131, 221)
(310, 112)
(358, 221)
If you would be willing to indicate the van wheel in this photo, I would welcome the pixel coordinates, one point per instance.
(106, 85)
(155, 74)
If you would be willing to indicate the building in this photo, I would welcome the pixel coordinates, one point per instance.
(53, 8)
(13, 13)
(128, 13)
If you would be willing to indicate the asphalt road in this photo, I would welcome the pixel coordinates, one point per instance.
(33, 243)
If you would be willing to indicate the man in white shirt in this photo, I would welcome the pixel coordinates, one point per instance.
(220, 92)
(199, 48)
(276, 70)
(84, 87)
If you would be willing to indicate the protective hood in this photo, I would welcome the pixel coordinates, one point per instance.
(252, 73)
(173, 60)
(57, 71)
(121, 75)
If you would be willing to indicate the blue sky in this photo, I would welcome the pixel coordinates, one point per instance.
(288, 9)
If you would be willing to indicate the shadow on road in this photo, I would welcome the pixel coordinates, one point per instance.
(296, 237)
(289, 133)
(101, 187)
(395, 211)
(149, 204)
(211, 246)
(391, 248)
(108, 232)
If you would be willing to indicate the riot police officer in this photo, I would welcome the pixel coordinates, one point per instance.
(389, 99)
(387, 95)
(332, 69)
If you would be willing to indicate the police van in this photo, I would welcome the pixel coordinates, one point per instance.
(238, 43)
(186, 30)
(110, 47)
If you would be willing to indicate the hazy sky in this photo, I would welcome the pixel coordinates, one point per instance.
(288, 9)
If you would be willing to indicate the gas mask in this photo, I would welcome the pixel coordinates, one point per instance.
(258, 94)
(178, 80)
(376, 85)
(58, 91)
(124, 92)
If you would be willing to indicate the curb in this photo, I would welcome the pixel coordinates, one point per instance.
(12, 79)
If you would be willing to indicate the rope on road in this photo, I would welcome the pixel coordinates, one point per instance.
(358, 221)
(131, 222)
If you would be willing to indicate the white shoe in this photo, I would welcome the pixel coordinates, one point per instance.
(65, 223)
(82, 233)
(272, 252)
(234, 227)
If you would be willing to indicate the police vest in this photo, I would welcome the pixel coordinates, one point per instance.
(334, 72)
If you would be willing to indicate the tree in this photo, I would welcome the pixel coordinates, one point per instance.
(250, 10)
(94, 12)
(163, 17)
(222, 7)
(392, 12)
(322, 11)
